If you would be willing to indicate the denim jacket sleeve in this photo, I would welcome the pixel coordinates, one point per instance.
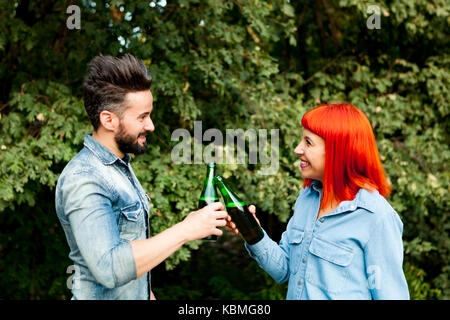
(383, 256)
(272, 257)
(87, 204)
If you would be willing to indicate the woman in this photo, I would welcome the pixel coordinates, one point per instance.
(344, 240)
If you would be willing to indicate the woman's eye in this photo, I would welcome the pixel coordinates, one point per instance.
(308, 143)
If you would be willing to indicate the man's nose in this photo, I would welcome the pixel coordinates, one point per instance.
(149, 126)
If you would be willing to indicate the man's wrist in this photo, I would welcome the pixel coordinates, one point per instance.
(182, 230)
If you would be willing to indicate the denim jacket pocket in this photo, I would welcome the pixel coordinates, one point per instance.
(328, 265)
(295, 249)
(131, 221)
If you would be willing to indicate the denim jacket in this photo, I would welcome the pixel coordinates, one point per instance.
(102, 207)
(354, 252)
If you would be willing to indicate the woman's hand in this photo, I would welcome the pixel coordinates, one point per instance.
(231, 226)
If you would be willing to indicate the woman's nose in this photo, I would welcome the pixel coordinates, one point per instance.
(298, 149)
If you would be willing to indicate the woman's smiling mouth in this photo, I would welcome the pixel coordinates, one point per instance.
(304, 164)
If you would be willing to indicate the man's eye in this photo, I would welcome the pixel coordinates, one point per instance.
(308, 143)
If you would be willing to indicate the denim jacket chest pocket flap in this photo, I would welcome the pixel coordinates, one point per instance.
(332, 252)
(295, 236)
(328, 266)
(131, 222)
(132, 212)
(295, 239)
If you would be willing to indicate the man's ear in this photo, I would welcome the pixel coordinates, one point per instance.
(109, 120)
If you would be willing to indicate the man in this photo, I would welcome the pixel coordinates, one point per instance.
(100, 203)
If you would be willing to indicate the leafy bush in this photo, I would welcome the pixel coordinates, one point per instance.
(230, 64)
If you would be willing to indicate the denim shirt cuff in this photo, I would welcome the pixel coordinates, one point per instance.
(124, 264)
(258, 248)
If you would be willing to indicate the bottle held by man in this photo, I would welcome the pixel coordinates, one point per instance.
(209, 193)
(246, 223)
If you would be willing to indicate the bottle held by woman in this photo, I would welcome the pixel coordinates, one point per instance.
(240, 215)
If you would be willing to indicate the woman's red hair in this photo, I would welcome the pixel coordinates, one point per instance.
(352, 160)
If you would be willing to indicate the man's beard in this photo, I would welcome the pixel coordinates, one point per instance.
(129, 144)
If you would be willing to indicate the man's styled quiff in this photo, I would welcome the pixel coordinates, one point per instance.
(108, 82)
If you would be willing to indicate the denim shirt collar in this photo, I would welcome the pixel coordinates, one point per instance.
(102, 153)
(361, 200)
(316, 185)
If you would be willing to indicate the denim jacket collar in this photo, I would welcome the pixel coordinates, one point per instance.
(101, 152)
(361, 200)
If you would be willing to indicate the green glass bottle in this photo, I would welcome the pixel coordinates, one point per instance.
(209, 193)
(236, 208)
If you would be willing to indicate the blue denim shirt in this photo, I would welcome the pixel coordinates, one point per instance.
(102, 207)
(354, 252)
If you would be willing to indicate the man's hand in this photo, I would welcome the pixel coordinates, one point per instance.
(204, 222)
(231, 226)
(148, 253)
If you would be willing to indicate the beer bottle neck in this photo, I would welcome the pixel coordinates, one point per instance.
(231, 199)
(209, 192)
(210, 175)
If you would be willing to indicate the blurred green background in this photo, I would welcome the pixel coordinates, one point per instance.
(230, 64)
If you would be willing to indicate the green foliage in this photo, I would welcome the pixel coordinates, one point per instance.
(231, 64)
(420, 289)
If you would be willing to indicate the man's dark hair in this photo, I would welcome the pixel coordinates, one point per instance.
(109, 80)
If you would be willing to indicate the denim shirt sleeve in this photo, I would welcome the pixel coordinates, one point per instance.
(87, 204)
(272, 257)
(383, 256)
